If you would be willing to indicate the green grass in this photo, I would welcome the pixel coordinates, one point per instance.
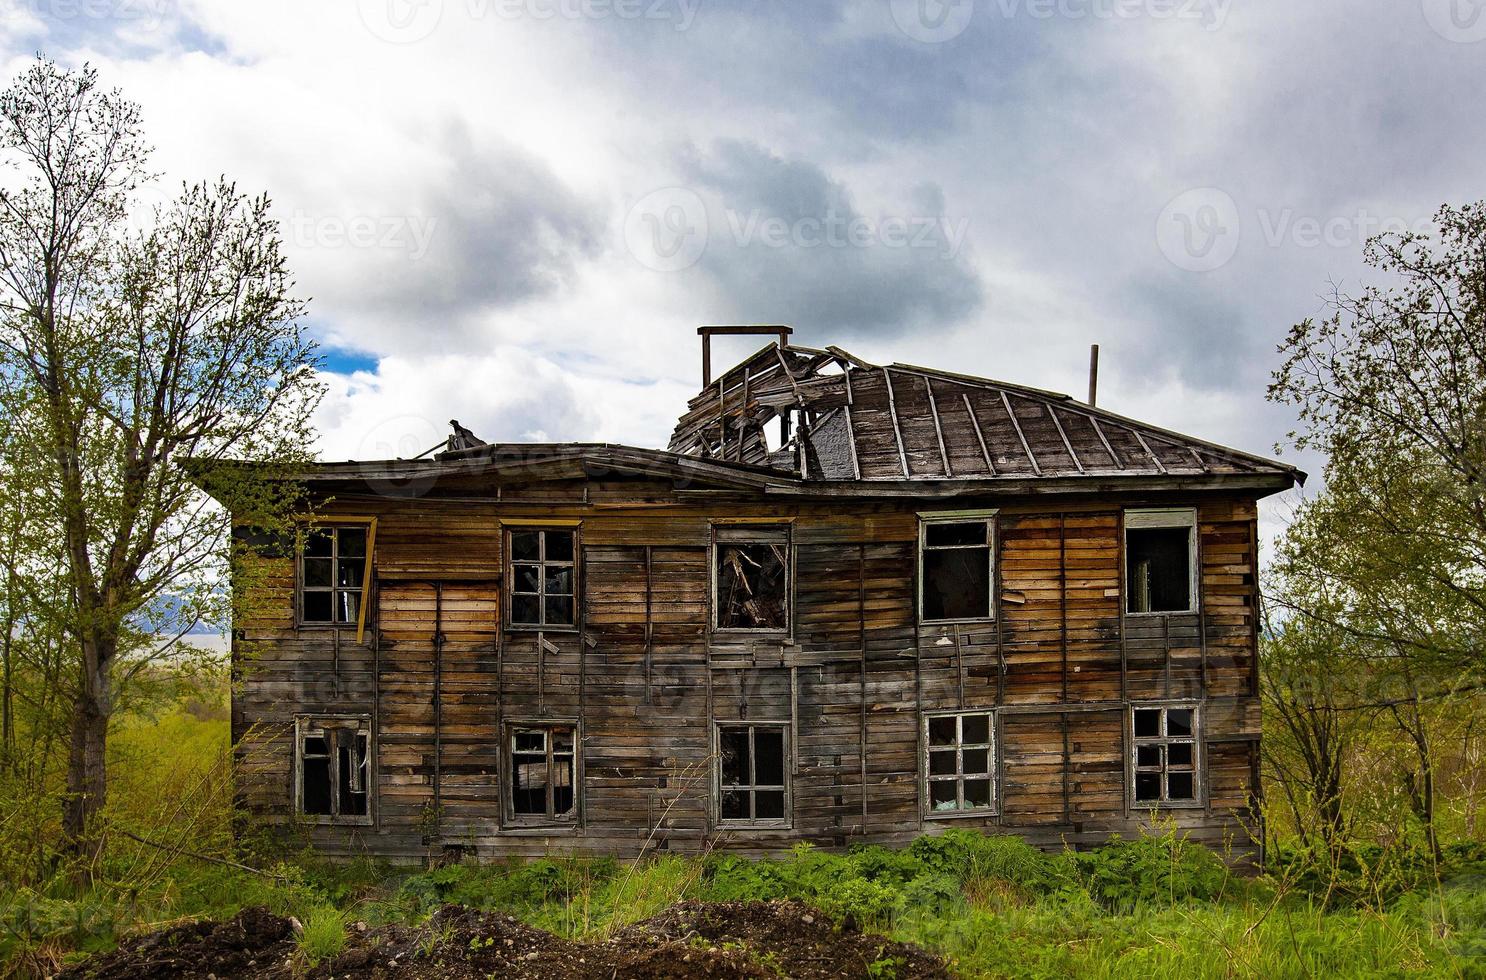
(992, 906)
(324, 934)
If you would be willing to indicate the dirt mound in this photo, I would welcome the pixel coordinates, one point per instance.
(801, 941)
(256, 943)
(724, 941)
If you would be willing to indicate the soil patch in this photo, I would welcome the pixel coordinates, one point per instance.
(724, 941)
(256, 943)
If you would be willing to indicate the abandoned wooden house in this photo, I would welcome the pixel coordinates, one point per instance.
(850, 602)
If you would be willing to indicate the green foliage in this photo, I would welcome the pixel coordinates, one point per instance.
(1128, 875)
(993, 905)
(323, 936)
(973, 857)
(1371, 875)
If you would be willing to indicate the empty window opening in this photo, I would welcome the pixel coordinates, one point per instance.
(753, 778)
(542, 764)
(334, 767)
(955, 575)
(1159, 561)
(543, 576)
(752, 579)
(332, 571)
(1165, 755)
(960, 760)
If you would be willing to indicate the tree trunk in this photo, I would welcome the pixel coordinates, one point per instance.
(87, 778)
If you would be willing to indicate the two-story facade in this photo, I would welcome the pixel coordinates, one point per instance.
(931, 600)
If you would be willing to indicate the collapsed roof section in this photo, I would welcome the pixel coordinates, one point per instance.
(841, 418)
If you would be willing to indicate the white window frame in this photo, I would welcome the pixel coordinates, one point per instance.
(1154, 518)
(783, 727)
(304, 727)
(1199, 759)
(988, 517)
(759, 533)
(994, 775)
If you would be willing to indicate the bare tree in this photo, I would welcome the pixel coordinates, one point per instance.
(129, 354)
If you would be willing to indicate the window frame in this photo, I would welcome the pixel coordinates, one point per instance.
(993, 748)
(304, 723)
(335, 526)
(510, 819)
(1199, 756)
(1161, 518)
(786, 748)
(508, 592)
(762, 532)
(989, 518)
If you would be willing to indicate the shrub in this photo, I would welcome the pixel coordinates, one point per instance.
(970, 856)
(1126, 875)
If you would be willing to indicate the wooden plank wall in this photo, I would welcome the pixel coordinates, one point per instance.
(645, 681)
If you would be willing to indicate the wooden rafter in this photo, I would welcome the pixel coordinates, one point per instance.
(979, 436)
(1006, 402)
(892, 407)
(938, 427)
(1067, 444)
(1099, 431)
(851, 441)
(1147, 447)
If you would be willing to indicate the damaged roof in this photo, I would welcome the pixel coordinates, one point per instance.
(849, 420)
(840, 426)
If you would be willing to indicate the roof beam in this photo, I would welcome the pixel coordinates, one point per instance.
(1099, 430)
(851, 439)
(938, 427)
(1067, 444)
(1147, 447)
(979, 436)
(1006, 402)
(892, 407)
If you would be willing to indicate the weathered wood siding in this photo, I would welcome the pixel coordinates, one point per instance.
(645, 679)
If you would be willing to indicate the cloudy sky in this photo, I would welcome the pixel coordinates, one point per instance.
(516, 212)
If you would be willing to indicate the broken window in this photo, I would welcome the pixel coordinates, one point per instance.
(334, 765)
(753, 778)
(1160, 557)
(332, 573)
(955, 569)
(752, 578)
(543, 572)
(959, 763)
(542, 764)
(1165, 770)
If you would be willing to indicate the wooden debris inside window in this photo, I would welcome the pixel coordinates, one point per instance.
(334, 767)
(542, 763)
(752, 579)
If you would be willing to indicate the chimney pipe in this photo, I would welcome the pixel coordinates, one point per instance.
(745, 330)
(1093, 374)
